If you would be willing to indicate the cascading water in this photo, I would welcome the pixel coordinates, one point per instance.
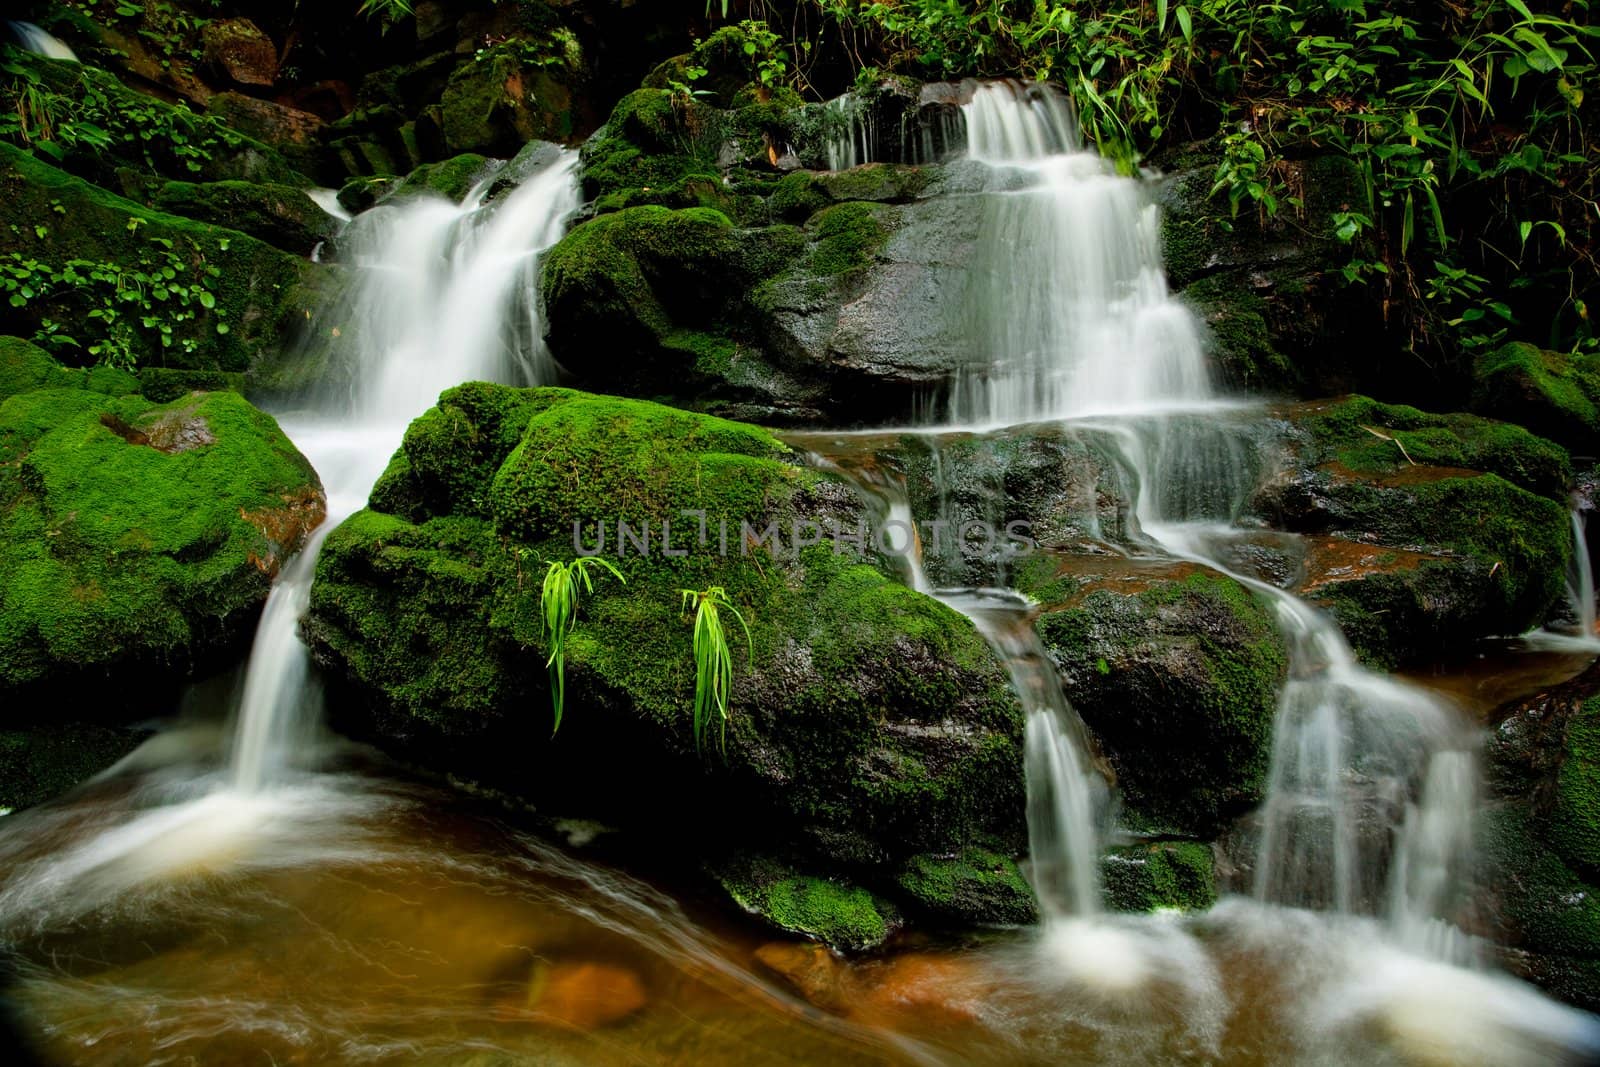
(444, 293)
(1083, 329)
(41, 42)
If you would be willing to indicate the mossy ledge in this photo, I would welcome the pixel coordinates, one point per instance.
(870, 723)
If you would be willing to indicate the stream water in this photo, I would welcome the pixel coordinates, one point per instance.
(268, 893)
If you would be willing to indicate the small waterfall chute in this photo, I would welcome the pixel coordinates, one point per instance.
(39, 41)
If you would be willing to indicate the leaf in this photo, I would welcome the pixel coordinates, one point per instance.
(1184, 22)
(207, 301)
(1161, 15)
(1408, 224)
(1524, 228)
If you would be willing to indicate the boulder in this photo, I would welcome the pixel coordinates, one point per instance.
(509, 94)
(1160, 875)
(1175, 669)
(1470, 517)
(869, 723)
(289, 130)
(1541, 838)
(227, 304)
(1556, 394)
(140, 539)
(237, 50)
(281, 215)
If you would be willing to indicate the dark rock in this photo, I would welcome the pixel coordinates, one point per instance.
(238, 51)
(281, 215)
(1555, 394)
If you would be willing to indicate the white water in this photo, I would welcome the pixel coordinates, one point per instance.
(41, 42)
(1067, 300)
(852, 132)
(444, 294)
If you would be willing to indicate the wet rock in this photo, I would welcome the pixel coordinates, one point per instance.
(813, 971)
(239, 51)
(39, 761)
(1463, 521)
(292, 131)
(1175, 670)
(841, 915)
(924, 989)
(1148, 877)
(281, 215)
(971, 887)
(869, 723)
(505, 96)
(1541, 838)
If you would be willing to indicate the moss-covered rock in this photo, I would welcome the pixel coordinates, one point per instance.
(1168, 874)
(25, 367)
(281, 215)
(1473, 511)
(1177, 677)
(972, 886)
(869, 722)
(139, 539)
(75, 240)
(43, 760)
(845, 916)
(1555, 394)
(511, 93)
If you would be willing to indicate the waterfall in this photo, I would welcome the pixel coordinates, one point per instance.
(1581, 583)
(40, 42)
(1067, 301)
(852, 131)
(443, 293)
(1070, 301)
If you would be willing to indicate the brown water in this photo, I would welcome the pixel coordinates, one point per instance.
(358, 917)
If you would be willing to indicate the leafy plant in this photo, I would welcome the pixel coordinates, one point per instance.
(120, 308)
(558, 607)
(713, 661)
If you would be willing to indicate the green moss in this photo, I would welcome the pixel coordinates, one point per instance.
(1547, 907)
(1553, 393)
(163, 384)
(1240, 337)
(41, 761)
(845, 237)
(138, 534)
(970, 887)
(1179, 683)
(281, 215)
(255, 286)
(1574, 827)
(1343, 433)
(844, 916)
(1170, 874)
(797, 197)
(451, 179)
(654, 146)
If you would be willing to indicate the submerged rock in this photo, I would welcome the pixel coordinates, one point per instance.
(869, 723)
(140, 538)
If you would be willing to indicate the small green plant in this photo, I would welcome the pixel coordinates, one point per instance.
(558, 605)
(713, 660)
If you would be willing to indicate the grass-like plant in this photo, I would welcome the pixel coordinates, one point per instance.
(558, 604)
(713, 660)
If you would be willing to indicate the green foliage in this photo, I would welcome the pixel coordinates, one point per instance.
(55, 108)
(713, 661)
(119, 301)
(1477, 208)
(558, 606)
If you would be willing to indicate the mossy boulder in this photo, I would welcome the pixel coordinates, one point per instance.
(1160, 875)
(25, 367)
(1540, 838)
(228, 305)
(837, 913)
(509, 94)
(140, 539)
(1472, 512)
(40, 761)
(281, 215)
(974, 885)
(869, 723)
(1555, 394)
